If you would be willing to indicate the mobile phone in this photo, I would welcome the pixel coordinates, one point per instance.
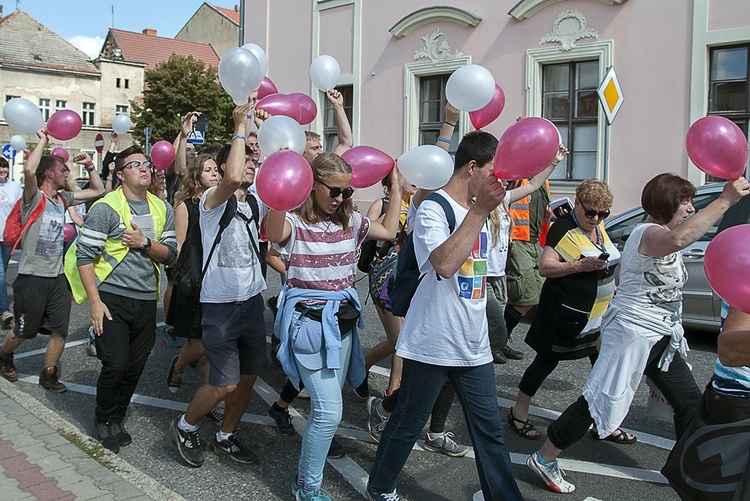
(604, 256)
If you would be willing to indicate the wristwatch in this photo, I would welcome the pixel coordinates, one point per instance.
(147, 246)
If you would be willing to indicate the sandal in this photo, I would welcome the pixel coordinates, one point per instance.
(527, 430)
(618, 436)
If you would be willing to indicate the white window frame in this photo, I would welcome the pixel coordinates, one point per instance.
(413, 72)
(45, 107)
(120, 112)
(85, 111)
(602, 51)
(57, 104)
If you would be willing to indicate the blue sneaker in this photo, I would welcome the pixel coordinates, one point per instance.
(316, 495)
(296, 485)
(169, 337)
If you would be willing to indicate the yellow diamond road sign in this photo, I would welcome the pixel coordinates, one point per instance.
(610, 94)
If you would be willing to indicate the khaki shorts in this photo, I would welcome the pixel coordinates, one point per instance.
(522, 270)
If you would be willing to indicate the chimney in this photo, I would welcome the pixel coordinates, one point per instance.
(149, 32)
(236, 8)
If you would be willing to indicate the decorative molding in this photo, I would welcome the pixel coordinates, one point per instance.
(437, 13)
(436, 50)
(527, 8)
(569, 27)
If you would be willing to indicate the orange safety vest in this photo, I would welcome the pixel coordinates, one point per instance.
(519, 211)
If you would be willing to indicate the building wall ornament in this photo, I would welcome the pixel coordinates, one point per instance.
(434, 14)
(524, 9)
(569, 27)
(436, 50)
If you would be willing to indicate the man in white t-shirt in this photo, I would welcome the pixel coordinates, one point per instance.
(445, 331)
(10, 192)
(234, 334)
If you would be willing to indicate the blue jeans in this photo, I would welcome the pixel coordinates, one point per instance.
(326, 405)
(475, 388)
(4, 306)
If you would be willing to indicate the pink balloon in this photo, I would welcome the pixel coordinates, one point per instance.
(526, 149)
(162, 154)
(64, 125)
(280, 104)
(69, 232)
(488, 114)
(726, 261)
(369, 165)
(307, 105)
(284, 181)
(717, 147)
(60, 152)
(267, 87)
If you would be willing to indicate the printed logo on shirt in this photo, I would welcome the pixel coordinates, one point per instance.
(50, 242)
(472, 276)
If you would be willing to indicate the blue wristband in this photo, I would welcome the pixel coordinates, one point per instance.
(238, 136)
(444, 140)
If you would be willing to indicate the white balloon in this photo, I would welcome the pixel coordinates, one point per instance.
(325, 73)
(260, 54)
(470, 88)
(428, 166)
(279, 132)
(239, 73)
(18, 142)
(121, 124)
(23, 116)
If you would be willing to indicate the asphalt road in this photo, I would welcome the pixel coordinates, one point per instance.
(600, 470)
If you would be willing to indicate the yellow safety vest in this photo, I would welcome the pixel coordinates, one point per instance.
(114, 250)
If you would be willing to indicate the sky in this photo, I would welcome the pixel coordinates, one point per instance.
(85, 23)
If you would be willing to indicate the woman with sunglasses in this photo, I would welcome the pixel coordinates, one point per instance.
(642, 330)
(318, 306)
(578, 263)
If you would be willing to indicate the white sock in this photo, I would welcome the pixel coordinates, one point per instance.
(185, 426)
(222, 437)
(435, 436)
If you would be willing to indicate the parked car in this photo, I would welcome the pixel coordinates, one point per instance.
(701, 305)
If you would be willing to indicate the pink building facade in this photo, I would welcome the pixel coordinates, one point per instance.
(676, 60)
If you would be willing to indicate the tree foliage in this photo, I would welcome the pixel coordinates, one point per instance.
(176, 86)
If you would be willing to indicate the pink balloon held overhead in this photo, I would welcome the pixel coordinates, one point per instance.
(280, 104)
(64, 125)
(266, 88)
(369, 165)
(284, 181)
(307, 105)
(726, 261)
(60, 152)
(162, 154)
(488, 114)
(526, 149)
(718, 147)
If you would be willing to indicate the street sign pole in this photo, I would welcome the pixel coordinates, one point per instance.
(147, 131)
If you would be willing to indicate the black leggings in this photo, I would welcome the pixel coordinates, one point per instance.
(538, 370)
(439, 411)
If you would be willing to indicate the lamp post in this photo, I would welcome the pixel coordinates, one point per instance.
(147, 132)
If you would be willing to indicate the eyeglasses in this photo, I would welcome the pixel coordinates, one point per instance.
(135, 164)
(335, 192)
(591, 213)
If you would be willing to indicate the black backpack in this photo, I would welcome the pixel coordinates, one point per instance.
(405, 280)
(369, 250)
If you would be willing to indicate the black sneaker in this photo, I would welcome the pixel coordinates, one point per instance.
(363, 391)
(234, 449)
(123, 437)
(188, 444)
(282, 418)
(512, 354)
(174, 380)
(105, 433)
(374, 495)
(216, 415)
(336, 450)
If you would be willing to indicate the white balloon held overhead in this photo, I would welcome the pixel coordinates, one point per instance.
(121, 124)
(18, 142)
(325, 72)
(428, 166)
(23, 116)
(470, 88)
(281, 132)
(239, 74)
(260, 55)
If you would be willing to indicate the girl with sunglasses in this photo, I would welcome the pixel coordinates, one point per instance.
(318, 306)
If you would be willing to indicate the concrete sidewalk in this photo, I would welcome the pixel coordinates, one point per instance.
(40, 458)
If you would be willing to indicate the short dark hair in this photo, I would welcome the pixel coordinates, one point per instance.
(663, 195)
(252, 133)
(120, 158)
(46, 163)
(476, 145)
(4, 162)
(223, 155)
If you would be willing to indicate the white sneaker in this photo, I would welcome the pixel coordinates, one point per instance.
(552, 475)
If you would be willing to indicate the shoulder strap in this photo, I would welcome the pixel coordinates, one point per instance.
(447, 208)
(384, 205)
(226, 217)
(253, 202)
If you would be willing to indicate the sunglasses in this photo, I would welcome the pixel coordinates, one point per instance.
(591, 213)
(346, 193)
(135, 164)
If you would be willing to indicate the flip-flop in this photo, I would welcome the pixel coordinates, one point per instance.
(526, 430)
(618, 436)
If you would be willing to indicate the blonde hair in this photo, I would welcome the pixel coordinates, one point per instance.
(324, 166)
(496, 223)
(594, 192)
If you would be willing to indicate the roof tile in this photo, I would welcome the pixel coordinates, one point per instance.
(152, 49)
